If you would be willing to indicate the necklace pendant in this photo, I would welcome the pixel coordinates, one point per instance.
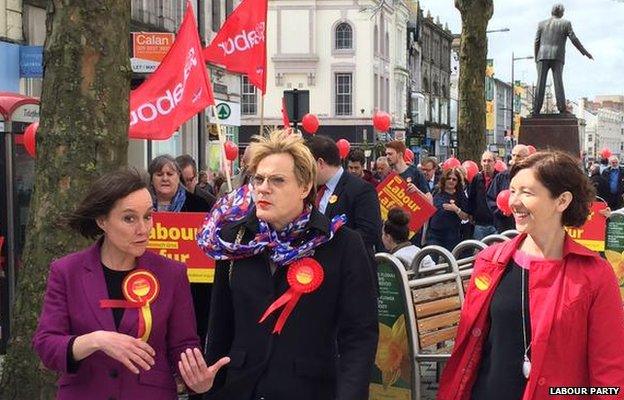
(526, 367)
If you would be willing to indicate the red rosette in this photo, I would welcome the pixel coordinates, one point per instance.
(304, 276)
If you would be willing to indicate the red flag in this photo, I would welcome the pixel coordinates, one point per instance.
(240, 45)
(285, 118)
(177, 90)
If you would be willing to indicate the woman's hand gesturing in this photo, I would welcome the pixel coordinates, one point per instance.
(196, 374)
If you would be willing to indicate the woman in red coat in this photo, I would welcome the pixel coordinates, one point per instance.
(542, 314)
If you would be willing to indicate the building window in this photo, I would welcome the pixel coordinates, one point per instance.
(376, 40)
(229, 6)
(344, 91)
(344, 36)
(248, 97)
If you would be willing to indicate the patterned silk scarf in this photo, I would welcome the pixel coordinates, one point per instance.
(237, 206)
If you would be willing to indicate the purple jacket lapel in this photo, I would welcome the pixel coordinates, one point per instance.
(95, 289)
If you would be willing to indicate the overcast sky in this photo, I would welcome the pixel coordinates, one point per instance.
(599, 25)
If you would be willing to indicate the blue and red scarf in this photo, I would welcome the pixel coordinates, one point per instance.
(236, 206)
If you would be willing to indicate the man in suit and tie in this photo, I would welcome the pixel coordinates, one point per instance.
(550, 42)
(339, 192)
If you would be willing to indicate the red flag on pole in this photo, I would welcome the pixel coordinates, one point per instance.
(285, 118)
(240, 45)
(177, 90)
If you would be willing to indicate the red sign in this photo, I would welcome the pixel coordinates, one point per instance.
(592, 233)
(176, 91)
(173, 236)
(240, 45)
(392, 192)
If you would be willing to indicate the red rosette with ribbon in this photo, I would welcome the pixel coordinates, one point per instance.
(304, 276)
(140, 288)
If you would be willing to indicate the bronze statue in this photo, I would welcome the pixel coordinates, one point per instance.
(550, 42)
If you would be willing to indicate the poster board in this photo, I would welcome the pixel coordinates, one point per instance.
(173, 236)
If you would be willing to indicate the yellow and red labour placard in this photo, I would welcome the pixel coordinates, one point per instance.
(173, 236)
(392, 192)
(592, 233)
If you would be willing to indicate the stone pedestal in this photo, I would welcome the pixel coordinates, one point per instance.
(550, 132)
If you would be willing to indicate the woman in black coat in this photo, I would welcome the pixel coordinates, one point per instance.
(292, 289)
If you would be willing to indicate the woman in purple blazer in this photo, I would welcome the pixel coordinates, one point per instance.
(117, 321)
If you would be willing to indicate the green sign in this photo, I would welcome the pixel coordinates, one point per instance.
(614, 247)
(223, 111)
(392, 376)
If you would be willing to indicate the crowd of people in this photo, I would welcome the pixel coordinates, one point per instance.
(292, 312)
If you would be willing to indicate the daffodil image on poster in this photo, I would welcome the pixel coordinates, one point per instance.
(616, 259)
(392, 353)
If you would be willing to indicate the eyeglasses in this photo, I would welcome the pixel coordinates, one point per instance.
(275, 181)
(426, 169)
(451, 178)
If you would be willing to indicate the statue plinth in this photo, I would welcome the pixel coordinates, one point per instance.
(550, 132)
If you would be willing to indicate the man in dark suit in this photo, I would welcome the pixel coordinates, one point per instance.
(550, 42)
(613, 187)
(339, 192)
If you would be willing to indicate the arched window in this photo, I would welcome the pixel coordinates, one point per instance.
(344, 36)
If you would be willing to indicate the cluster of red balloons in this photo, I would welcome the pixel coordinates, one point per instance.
(29, 139)
(231, 150)
(605, 153)
(310, 123)
(343, 148)
(502, 202)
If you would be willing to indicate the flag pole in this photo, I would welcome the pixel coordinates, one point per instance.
(262, 115)
(224, 160)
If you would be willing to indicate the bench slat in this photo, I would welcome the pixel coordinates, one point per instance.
(437, 307)
(426, 325)
(441, 335)
(434, 292)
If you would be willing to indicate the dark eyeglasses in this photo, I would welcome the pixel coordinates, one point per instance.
(452, 178)
(275, 181)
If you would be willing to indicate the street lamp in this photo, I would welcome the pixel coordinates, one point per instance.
(513, 61)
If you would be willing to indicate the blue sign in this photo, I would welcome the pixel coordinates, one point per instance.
(9, 67)
(31, 61)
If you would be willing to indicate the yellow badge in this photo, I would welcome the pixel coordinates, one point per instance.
(333, 198)
(483, 281)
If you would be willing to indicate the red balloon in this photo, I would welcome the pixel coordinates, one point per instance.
(343, 147)
(381, 121)
(29, 138)
(310, 123)
(531, 149)
(605, 153)
(408, 156)
(502, 202)
(499, 166)
(451, 162)
(472, 169)
(231, 150)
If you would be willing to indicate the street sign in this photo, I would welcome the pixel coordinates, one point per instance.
(228, 113)
(149, 49)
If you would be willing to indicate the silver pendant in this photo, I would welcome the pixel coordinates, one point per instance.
(526, 367)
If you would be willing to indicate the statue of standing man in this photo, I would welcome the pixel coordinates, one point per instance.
(550, 42)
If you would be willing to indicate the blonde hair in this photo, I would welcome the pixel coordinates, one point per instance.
(281, 142)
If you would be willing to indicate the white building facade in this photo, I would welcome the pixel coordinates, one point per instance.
(350, 55)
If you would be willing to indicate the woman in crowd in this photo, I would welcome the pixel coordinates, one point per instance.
(542, 311)
(292, 304)
(395, 238)
(168, 194)
(450, 201)
(117, 321)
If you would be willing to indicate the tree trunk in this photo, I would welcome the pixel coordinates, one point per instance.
(83, 133)
(472, 62)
